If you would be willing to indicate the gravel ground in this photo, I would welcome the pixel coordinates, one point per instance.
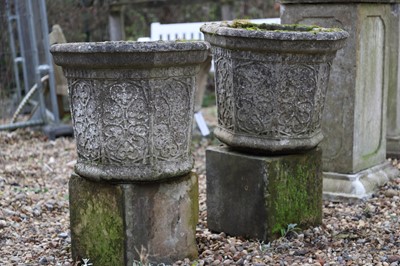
(34, 217)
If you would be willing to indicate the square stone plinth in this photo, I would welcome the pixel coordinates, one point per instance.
(363, 75)
(354, 118)
(115, 224)
(257, 196)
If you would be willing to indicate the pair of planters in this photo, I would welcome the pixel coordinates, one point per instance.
(132, 103)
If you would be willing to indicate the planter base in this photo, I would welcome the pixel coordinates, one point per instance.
(117, 224)
(358, 186)
(257, 196)
(258, 145)
(141, 173)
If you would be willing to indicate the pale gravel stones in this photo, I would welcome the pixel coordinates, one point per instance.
(33, 199)
(364, 233)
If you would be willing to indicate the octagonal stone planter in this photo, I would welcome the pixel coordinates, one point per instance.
(132, 107)
(271, 81)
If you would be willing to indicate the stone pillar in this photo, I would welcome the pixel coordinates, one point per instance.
(393, 115)
(133, 195)
(354, 120)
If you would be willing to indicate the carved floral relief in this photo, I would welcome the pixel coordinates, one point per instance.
(271, 100)
(132, 122)
(86, 118)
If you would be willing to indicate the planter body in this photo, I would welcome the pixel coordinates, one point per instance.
(362, 88)
(271, 86)
(132, 107)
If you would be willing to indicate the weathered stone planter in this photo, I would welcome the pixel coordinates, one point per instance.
(132, 107)
(271, 83)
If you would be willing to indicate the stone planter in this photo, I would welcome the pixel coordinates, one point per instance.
(132, 107)
(271, 83)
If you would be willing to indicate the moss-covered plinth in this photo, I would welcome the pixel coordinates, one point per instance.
(257, 196)
(115, 224)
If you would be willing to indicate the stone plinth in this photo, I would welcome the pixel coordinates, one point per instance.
(357, 186)
(114, 224)
(354, 120)
(393, 123)
(256, 196)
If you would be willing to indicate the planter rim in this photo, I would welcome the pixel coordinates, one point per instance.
(224, 29)
(128, 55)
(129, 47)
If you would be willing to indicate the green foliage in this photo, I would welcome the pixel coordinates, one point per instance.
(291, 228)
(209, 99)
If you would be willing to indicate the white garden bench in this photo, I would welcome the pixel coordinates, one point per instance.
(189, 31)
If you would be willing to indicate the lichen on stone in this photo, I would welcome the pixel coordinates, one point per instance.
(246, 24)
(295, 194)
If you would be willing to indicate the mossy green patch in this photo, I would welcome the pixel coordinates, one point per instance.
(246, 24)
(193, 212)
(194, 196)
(295, 192)
(96, 222)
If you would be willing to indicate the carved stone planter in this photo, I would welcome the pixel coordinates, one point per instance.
(132, 107)
(271, 83)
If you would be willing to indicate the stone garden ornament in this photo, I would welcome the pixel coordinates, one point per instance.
(132, 106)
(271, 82)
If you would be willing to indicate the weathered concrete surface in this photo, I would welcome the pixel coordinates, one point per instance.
(393, 123)
(271, 85)
(96, 217)
(256, 196)
(357, 186)
(132, 106)
(354, 120)
(113, 223)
